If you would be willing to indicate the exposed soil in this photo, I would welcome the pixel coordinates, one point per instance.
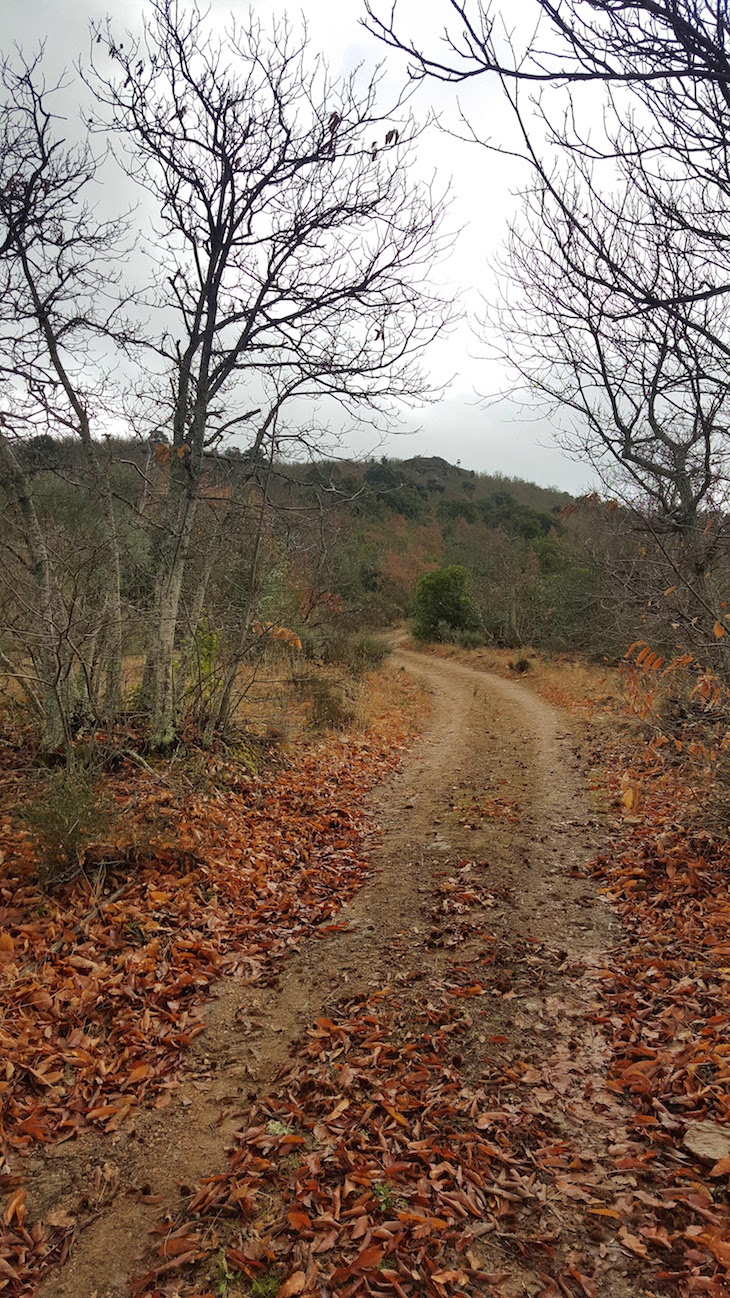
(496, 789)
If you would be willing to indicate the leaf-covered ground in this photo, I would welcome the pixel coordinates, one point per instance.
(666, 999)
(494, 1098)
(104, 983)
(405, 1151)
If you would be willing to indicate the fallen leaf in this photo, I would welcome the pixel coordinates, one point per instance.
(294, 1285)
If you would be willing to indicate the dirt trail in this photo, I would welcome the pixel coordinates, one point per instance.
(495, 781)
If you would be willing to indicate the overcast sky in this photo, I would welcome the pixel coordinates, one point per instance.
(492, 436)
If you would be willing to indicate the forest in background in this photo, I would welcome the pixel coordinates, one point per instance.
(301, 561)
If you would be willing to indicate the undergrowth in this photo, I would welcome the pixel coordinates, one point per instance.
(69, 816)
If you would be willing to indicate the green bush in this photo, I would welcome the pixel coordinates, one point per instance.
(336, 649)
(443, 605)
(371, 652)
(521, 665)
(357, 654)
(471, 639)
(311, 647)
(68, 818)
(444, 633)
(331, 708)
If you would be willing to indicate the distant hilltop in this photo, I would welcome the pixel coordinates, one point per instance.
(406, 486)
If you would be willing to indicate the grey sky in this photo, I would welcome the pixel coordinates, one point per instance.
(500, 436)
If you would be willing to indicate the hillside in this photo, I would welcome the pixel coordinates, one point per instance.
(404, 485)
(343, 543)
(389, 522)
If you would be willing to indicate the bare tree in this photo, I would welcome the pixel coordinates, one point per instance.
(291, 252)
(58, 314)
(642, 394)
(664, 68)
(618, 275)
(641, 43)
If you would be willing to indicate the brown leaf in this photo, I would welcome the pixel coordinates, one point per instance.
(175, 1246)
(368, 1259)
(632, 1242)
(299, 1220)
(294, 1285)
(338, 1110)
(15, 1208)
(720, 1248)
(586, 1283)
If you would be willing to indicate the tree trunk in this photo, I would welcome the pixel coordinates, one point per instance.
(53, 718)
(163, 724)
(224, 710)
(172, 561)
(192, 619)
(100, 481)
(113, 691)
